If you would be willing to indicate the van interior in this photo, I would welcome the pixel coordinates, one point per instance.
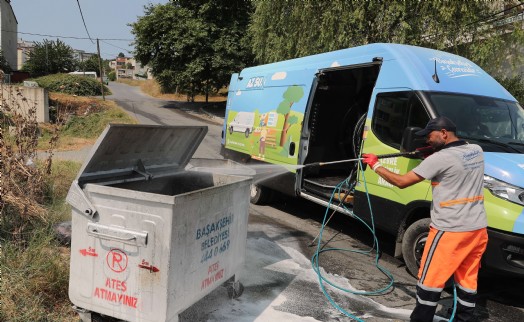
(335, 125)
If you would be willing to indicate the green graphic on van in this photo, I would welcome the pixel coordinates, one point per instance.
(271, 133)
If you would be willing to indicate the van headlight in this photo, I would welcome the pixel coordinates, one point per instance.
(504, 190)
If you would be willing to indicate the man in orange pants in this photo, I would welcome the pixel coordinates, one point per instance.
(457, 236)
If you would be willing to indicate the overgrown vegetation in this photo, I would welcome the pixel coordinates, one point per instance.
(153, 88)
(72, 84)
(514, 85)
(50, 57)
(34, 266)
(193, 46)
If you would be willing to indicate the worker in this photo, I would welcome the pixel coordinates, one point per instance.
(457, 233)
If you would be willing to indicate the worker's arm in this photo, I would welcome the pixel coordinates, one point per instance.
(399, 180)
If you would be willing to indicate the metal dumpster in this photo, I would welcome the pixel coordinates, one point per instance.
(149, 239)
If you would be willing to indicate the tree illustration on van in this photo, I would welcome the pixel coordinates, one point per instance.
(292, 95)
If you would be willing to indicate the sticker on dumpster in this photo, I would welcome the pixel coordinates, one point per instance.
(214, 274)
(214, 237)
(114, 292)
(88, 252)
(116, 259)
(149, 267)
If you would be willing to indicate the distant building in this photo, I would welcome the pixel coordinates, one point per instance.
(128, 67)
(8, 34)
(81, 55)
(23, 48)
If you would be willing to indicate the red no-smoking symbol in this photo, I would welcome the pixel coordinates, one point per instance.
(116, 259)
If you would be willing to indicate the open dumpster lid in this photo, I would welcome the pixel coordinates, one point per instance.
(129, 152)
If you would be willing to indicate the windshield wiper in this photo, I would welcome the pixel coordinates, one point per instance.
(516, 143)
(501, 144)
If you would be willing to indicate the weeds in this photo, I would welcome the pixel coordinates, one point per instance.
(35, 280)
(34, 268)
(22, 184)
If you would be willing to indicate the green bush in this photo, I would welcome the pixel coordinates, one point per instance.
(514, 85)
(72, 84)
(112, 76)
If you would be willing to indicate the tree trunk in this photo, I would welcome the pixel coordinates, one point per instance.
(284, 130)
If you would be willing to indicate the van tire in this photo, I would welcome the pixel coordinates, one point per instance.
(247, 133)
(413, 244)
(230, 130)
(259, 195)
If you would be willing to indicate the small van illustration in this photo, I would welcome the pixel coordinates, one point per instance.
(243, 122)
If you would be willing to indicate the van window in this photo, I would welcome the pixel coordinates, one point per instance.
(393, 113)
(497, 125)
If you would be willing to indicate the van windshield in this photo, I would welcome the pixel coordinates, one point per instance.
(496, 125)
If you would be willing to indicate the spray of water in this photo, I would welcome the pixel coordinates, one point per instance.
(259, 172)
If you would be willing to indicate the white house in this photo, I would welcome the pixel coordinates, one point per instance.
(8, 35)
(24, 48)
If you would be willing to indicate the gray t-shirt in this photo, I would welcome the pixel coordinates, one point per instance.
(457, 176)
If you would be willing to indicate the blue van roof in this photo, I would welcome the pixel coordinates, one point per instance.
(403, 66)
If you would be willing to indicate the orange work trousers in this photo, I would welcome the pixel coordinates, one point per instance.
(447, 254)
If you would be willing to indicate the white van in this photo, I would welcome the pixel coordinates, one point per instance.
(86, 74)
(243, 122)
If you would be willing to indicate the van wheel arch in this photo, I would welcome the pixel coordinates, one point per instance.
(413, 243)
(260, 195)
(409, 235)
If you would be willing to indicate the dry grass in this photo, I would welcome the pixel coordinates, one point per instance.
(34, 269)
(86, 117)
(77, 105)
(152, 88)
(34, 281)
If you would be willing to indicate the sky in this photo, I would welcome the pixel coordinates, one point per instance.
(105, 19)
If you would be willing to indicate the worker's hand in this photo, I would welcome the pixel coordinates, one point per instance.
(372, 160)
(425, 151)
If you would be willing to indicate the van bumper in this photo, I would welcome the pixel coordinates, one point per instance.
(504, 253)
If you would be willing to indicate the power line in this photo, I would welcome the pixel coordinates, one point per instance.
(65, 37)
(81, 14)
(489, 19)
(105, 42)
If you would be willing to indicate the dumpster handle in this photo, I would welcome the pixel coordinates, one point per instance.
(118, 234)
(96, 232)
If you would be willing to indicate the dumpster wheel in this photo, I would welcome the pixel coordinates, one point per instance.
(95, 317)
(234, 289)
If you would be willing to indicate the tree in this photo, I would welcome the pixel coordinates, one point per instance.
(121, 55)
(49, 57)
(292, 95)
(4, 65)
(288, 29)
(194, 46)
(90, 65)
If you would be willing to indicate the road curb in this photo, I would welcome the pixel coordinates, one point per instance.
(215, 119)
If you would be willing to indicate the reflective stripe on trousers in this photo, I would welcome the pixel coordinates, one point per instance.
(449, 254)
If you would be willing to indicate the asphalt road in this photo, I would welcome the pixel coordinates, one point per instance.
(279, 281)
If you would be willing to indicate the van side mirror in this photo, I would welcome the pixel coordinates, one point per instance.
(411, 141)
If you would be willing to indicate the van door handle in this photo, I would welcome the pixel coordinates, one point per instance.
(116, 233)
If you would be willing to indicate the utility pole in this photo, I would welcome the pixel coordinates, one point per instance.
(101, 69)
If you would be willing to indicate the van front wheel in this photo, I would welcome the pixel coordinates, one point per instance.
(413, 244)
(259, 195)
